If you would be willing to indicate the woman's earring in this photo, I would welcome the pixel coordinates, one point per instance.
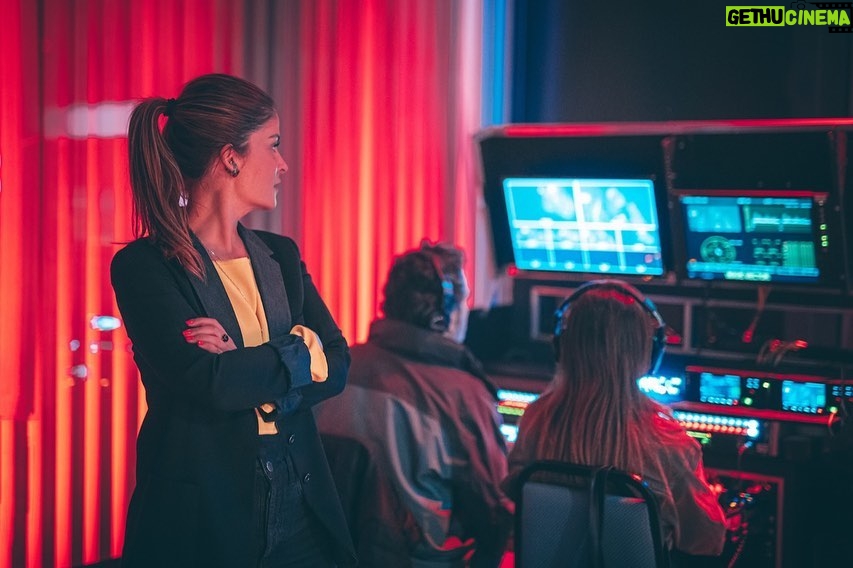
(234, 171)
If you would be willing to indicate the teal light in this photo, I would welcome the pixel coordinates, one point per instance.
(494, 72)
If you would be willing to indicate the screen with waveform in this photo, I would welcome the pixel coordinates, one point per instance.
(754, 236)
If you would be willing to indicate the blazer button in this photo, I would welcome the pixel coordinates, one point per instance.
(307, 478)
(269, 466)
(292, 438)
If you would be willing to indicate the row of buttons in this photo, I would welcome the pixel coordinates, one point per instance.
(723, 424)
(714, 428)
(269, 467)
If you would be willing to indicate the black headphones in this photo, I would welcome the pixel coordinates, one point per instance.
(659, 337)
(440, 320)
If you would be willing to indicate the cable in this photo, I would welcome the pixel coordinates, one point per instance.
(839, 417)
(774, 350)
(763, 293)
(744, 534)
(710, 319)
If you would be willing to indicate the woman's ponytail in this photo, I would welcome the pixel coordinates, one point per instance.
(159, 191)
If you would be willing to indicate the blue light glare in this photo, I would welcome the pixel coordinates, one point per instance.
(516, 396)
(662, 388)
(105, 323)
(510, 432)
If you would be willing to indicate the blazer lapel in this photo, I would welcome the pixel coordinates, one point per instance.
(270, 283)
(213, 297)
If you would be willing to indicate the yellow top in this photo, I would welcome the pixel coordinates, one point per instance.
(239, 281)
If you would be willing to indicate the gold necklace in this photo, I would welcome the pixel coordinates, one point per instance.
(225, 272)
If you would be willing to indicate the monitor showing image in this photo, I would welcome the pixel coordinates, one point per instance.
(596, 226)
(758, 236)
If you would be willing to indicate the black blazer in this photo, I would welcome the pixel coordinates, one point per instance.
(196, 451)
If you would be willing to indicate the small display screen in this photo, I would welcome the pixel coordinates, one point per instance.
(512, 404)
(597, 226)
(751, 237)
(665, 390)
(719, 389)
(809, 398)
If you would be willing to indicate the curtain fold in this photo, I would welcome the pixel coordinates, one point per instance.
(19, 245)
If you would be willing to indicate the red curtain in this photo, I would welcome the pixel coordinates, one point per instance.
(388, 118)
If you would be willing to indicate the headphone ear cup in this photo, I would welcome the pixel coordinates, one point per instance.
(658, 350)
(558, 325)
(448, 303)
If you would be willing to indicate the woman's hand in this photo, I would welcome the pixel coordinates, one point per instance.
(208, 334)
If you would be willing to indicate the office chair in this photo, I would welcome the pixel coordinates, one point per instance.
(570, 515)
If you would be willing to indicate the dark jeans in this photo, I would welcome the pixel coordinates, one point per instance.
(288, 534)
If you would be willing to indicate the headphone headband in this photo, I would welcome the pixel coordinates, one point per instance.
(659, 336)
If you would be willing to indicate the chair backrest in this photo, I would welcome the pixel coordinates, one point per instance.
(570, 515)
(380, 526)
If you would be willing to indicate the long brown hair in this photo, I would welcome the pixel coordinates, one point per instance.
(594, 412)
(212, 111)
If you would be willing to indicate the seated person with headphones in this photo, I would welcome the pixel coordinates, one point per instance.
(421, 405)
(607, 336)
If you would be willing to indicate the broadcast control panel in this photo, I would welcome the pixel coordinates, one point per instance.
(713, 403)
(761, 395)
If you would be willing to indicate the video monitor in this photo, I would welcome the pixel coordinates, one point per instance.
(753, 235)
(584, 225)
